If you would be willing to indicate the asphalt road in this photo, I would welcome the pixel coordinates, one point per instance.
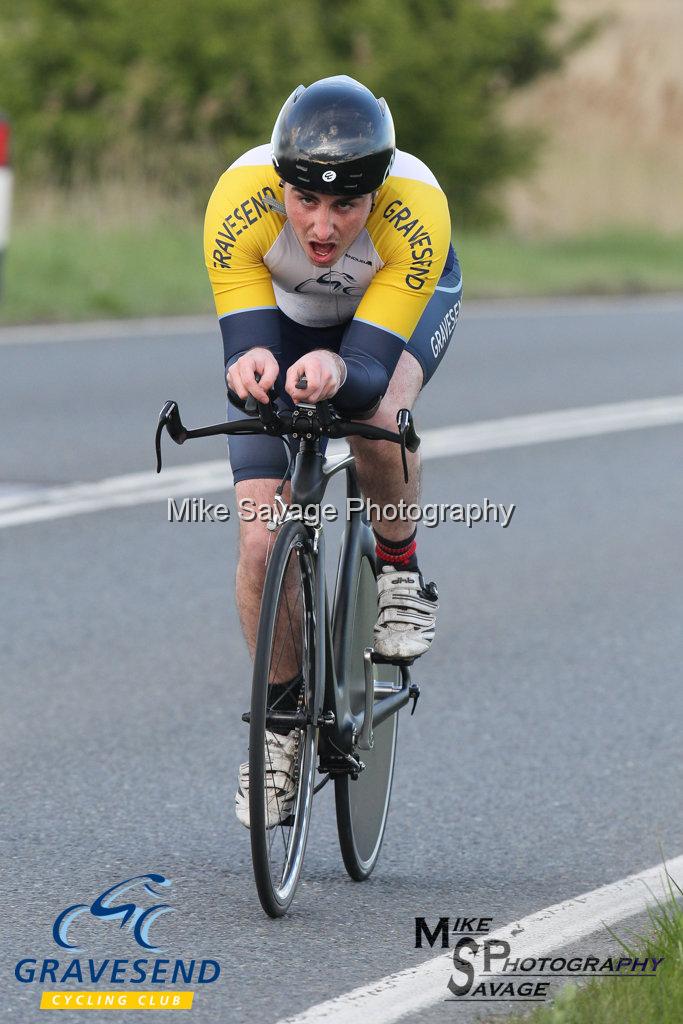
(544, 758)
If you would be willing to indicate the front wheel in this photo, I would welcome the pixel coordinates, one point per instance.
(285, 649)
(363, 804)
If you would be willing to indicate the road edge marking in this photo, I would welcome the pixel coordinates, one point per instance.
(413, 990)
(442, 442)
(205, 323)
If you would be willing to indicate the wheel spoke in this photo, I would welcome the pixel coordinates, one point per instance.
(288, 639)
(282, 653)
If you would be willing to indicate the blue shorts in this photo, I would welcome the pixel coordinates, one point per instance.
(262, 457)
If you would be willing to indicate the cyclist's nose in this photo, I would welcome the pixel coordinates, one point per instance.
(323, 227)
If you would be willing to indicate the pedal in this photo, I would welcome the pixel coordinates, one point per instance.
(378, 659)
(414, 695)
(341, 764)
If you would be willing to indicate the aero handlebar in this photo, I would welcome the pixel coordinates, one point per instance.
(303, 422)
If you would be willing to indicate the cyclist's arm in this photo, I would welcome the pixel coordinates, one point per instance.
(370, 355)
(237, 233)
(413, 257)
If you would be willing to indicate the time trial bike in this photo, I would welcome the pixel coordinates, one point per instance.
(346, 719)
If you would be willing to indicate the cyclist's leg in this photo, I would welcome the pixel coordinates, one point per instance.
(255, 504)
(259, 464)
(434, 332)
(380, 467)
(407, 607)
(379, 464)
(254, 498)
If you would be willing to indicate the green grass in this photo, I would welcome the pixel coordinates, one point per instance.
(97, 258)
(76, 271)
(657, 1000)
(609, 263)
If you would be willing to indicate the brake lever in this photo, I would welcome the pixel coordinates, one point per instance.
(406, 423)
(169, 417)
(252, 407)
(250, 403)
(409, 437)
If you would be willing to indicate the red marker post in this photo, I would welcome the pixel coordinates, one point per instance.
(5, 189)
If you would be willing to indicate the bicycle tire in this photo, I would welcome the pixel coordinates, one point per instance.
(362, 804)
(289, 597)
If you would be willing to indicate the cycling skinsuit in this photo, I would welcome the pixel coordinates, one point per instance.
(398, 286)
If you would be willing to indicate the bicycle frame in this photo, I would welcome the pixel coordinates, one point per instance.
(310, 477)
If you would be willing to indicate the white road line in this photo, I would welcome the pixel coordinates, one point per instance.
(560, 425)
(160, 327)
(108, 330)
(413, 990)
(206, 477)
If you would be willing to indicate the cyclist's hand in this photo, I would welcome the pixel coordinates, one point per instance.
(324, 371)
(241, 377)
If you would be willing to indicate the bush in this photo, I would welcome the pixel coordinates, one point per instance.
(174, 92)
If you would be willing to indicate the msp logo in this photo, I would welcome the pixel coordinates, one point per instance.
(499, 976)
(138, 919)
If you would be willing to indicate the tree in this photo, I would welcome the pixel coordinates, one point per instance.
(174, 92)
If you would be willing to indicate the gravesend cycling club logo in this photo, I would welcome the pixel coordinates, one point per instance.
(138, 919)
(332, 281)
(133, 907)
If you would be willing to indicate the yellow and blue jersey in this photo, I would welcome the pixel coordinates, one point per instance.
(378, 288)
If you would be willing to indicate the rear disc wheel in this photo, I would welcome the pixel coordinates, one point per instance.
(362, 804)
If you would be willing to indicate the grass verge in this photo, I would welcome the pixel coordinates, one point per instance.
(623, 1001)
(106, 258)
(609, 263)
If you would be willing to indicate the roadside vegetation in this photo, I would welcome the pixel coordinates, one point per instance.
(657, 1000)
(612, 121)
(123, 117)
(128, 252)
(175, 91)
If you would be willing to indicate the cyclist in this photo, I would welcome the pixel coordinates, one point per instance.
(330, 258)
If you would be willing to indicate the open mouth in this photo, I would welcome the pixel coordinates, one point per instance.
(321, 251)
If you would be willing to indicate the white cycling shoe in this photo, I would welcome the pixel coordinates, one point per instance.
(407, 614)
(281, 753)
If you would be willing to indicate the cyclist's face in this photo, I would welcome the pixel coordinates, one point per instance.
(325, 225)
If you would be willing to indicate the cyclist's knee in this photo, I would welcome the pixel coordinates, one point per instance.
(255, 502)
(404, 387)
(254, 541)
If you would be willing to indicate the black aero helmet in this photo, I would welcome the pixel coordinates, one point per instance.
(334, 137)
